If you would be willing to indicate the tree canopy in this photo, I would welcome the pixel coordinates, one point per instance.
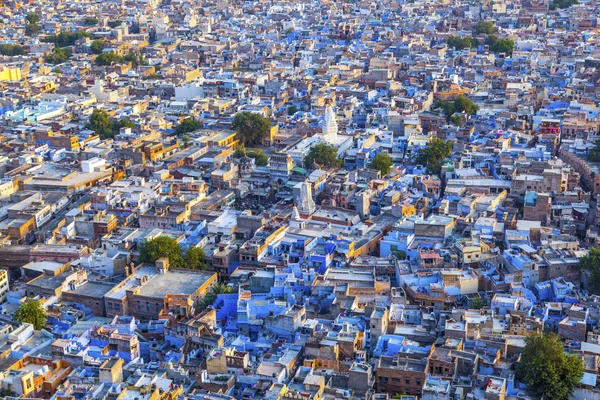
(211, 296)
(251, 128)
(31, 312)
(11, 50)
(434, 154)
(459, 43)
(382, 162)
(58, 56)
(562, 4)
(90, 21)
(594, 152)
(33, 18)
(97, 46)
(323, 154)
(460, 104)
(106, 128)
(32, 29)
(65, 38)
(292, 110)
(186, 126)
(546, 368)
(499, 45)
(108, 58)
(486, 27)
(591, 263)
(164, 246)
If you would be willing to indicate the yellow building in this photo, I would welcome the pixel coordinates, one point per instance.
(10, 74)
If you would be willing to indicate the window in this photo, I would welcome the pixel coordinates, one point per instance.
(407, 381)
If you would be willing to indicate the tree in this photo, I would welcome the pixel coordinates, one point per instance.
(65, 38)
(434, 154)
(11, 50)
(58, 56)
(252, 128)
(400, 255)
(186, 126)
(115, 23)
(292, 110)
(464, 104)
(90, 21)
(594, 152)
(194, 258)
(108, 58)
(562, 4)
(33, 18)
(239, 151)
(161, 246)
(382, 162)
(31, 312)
(97, 46)
(477, 303)
(323, 154)
(185, 140)
(591, 264)
(211, 296)
(259, 156)
(135, 59)
(486, 27)
(458, 43)
(546, 368)
(499, 45)
(32, 29)
(100, 123)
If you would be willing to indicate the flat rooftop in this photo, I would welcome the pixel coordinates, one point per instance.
(174, 282)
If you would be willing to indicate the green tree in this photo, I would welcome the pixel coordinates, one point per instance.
(31, 312)
(562, 4)
(90, 21)
(546, 368)
(115, 23)
(33, 18)
(11, 50)
(477, 303)
(211, 296)
(464, 104)
(194, 258)
(97, 46)
(100, 123)
(382, 162)
(251, 128)
(323, 154)
(459, 43)
(591, 264)
(434, 154)
(400, 255)
(259, 156)
(239, 151)
(594, 152)
(161, 246)
(65, 38)
(185, 140)
(186, 126)
(108, 58)
(499, 45)
(32, 29)
(58, 56)
(486, 27)
(292, 110)
(135, 59)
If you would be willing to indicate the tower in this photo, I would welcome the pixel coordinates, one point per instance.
(330, 127)
(306, 205)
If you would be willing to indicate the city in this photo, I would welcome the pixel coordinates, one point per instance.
(287, 199)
